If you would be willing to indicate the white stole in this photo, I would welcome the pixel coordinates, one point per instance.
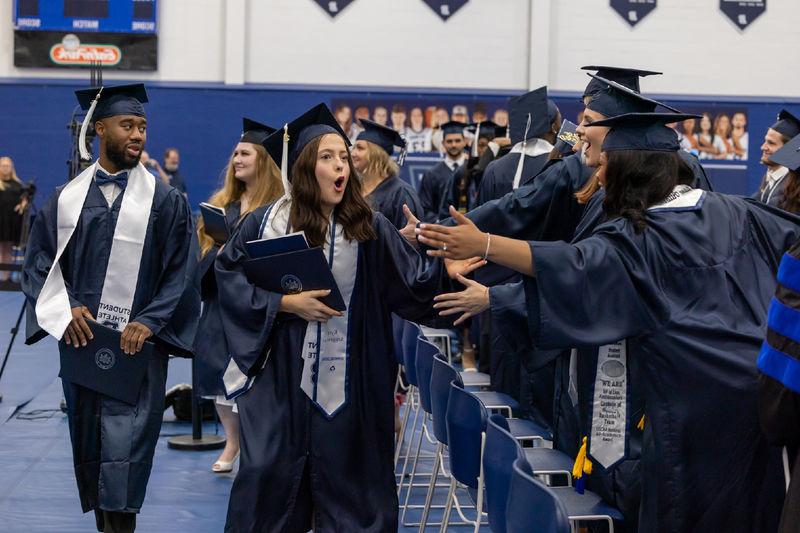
(53, 310)
(610, 405)
(534, 148)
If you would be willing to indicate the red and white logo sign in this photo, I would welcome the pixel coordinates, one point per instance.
(70, 51)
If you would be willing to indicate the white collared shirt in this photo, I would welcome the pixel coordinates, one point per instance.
(110, 190)
(453, 164)
(775, 176)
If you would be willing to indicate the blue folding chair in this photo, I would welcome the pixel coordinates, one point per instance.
(533, 506)
(545, 461)
(466, 426)
(409, 350)
(499, 453)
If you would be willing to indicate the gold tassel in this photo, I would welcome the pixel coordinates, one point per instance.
(640, 425)
(582, 463)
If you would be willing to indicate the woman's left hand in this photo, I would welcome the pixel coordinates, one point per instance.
(469, 302)
(21, 206)
(458, 242)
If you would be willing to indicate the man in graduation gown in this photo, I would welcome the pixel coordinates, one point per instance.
(770, 191)
(434, 181)
(113, 245)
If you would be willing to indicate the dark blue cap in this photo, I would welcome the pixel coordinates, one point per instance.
(629, 77)
(615, 99)
(789, 154)
(313, 123)
(383, 136)
(255, 132)
(118, 100)
(787, 124)
(642, 131)
(541, 110)
(487, 129)
(453, 127)
(567, 137)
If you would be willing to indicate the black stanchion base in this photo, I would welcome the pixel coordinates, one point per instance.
(206, 442)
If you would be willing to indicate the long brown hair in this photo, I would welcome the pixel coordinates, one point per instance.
(379, 163)
(353, 213)
(791, 193)
(268, 189)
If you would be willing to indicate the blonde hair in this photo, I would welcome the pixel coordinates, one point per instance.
(13, 173)
(268, 189)
(379, 163)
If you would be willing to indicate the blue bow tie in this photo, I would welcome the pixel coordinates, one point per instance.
(101, 178)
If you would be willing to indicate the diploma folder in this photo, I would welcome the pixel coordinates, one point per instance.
(277, 245)
(293, 272)
(216, 225)
(103, 367)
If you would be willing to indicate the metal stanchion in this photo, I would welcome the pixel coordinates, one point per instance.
(196, 441)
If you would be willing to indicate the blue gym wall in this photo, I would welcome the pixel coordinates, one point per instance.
(204, 122)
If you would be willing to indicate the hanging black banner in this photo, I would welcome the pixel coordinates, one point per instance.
(333, 7)
(446, 8)
(742, 12)
(633, 11)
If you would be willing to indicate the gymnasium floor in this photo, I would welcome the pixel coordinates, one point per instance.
(38, 492)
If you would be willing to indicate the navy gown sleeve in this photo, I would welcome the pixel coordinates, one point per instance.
(248, 312)
(406, 195)
(428, 197)
(592, 293)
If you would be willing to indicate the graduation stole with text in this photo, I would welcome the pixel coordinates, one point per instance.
(325, 346)
(53, 309)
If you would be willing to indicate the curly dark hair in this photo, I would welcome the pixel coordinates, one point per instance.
(353, 213)
(638, 179)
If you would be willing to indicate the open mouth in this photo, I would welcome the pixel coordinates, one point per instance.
(338, 185)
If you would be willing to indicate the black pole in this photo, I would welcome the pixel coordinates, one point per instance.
(14, 332)
(196, 441)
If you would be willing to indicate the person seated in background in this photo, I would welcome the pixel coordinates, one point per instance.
(172, 161)
(440, 116)
(772, 184)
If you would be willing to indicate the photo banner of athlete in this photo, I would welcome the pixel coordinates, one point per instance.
(743, 13)
(120, 35)
(633, 11)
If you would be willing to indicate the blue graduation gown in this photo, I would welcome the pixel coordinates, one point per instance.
(294, 456)
(210, 348)
(432, 190)
(113, 442)
(388, 199)
(692, 292)
(498, 179)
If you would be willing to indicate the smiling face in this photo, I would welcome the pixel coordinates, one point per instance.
(332, 170)
(360, 155)
(773, 141)
(245, 162)
(592, 137)
(417, 119)
(122, 139)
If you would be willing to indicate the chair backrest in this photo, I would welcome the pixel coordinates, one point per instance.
(532, 506)
(398, 326)
(410, 333)
(426, 352)
(466, 423)
(441, 376)
(499, 454)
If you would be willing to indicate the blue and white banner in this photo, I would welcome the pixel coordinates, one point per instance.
(446, 8)
(633, 11)
(741, 12)
(333, 7)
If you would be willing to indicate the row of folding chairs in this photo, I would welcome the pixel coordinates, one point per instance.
(482, 452)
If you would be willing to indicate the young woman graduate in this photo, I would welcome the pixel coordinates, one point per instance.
(687, 276)
(316, 386)
(113, 245)
(252, 179)
(381, 184)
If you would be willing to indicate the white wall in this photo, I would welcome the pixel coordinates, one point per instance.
(488, 44)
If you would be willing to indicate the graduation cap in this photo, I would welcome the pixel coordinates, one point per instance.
(530, 115)
(787, 124)
(487, 130)
(629, 77)
(567, 137)
(453, 127)
(615, 99)
(642, 131)
(789, 154)
(104, 102)
(384, 136)
(255, 132)
(285, 144)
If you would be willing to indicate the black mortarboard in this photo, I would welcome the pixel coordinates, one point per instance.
(285, 145)
(486, 129)
(567, 137)
(104, 102)
(453, 127)
(530, 115)
(255, 132)
(384, 136)
(629, 77)
(615, 99)
(642, 131)
(789, 154)
(787, 124)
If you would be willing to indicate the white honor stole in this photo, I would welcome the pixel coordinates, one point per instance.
(326, 345)
(53, 310)
(609, 425)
